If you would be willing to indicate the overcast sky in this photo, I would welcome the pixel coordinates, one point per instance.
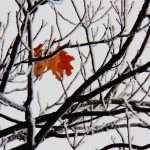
(49, 86)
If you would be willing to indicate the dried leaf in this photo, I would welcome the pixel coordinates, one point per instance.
(61, 63)
(39, 68)
(38, 50)
(58, 64)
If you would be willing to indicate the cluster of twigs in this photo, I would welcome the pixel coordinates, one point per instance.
(110, 88)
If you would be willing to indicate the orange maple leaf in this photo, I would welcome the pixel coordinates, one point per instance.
(38, 50)
(58, 64)
(40, 66)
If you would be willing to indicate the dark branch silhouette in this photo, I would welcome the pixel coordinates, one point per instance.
(106, 88)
